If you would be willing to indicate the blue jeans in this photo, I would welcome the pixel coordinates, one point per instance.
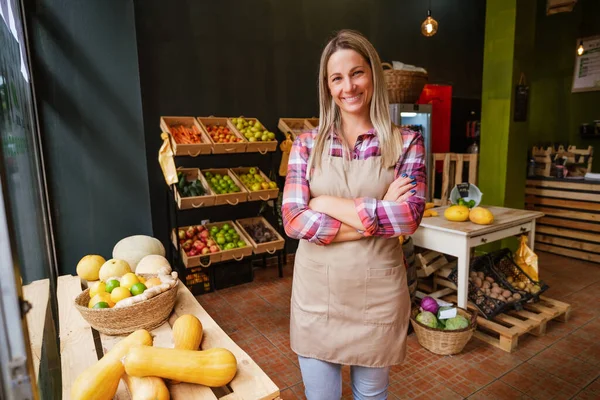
(323, 380)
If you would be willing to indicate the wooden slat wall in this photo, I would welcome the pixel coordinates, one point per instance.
(571, 225)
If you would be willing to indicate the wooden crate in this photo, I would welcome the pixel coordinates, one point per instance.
(263, 194)
(192, 150)
(571, 225)
(311, 123)
(257, 147)
(543, 160)
(259, 248)
(293, 126)
(429, 261)
(223, 148)
(228, 198)
(78, 350)
(452, 174)
(239, 252)
(184, 203)
(203, 260)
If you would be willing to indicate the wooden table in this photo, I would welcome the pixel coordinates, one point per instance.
(78, 350)
(458, 238)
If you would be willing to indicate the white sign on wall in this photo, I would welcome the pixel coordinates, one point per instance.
(586, 76)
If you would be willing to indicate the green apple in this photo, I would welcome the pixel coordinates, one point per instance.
(252, 171)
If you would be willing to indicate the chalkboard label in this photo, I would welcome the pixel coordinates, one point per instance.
(205, 260)
(521, 96)
(463, 189)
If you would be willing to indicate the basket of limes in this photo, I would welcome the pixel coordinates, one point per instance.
(121, 305)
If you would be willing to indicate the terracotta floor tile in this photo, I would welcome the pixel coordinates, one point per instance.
(590, 392)
(464, 379)
(538, 384)
(288, 394)
(573, 370)
(412, 386)
(499, 390)
(299, 391)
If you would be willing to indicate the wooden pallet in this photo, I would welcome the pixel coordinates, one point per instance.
(78, 350)
(504, 330)
(428, 262)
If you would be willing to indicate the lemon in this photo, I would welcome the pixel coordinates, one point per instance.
(481, 216)
(141, 278)
(119, 294)
(101, 297)
(128, 280)
(98, 287)
(457, 213)
(88, 267)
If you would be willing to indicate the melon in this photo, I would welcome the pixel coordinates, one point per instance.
(113, 268)
(133, 248)
(153, 264)
(481, 216)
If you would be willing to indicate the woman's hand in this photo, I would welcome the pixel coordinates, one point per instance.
(401, 189)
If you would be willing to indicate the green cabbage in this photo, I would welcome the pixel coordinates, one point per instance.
(427, 319)
(458, 322)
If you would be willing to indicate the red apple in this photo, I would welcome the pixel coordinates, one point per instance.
(214, 249)
(192, 253)
(187, 245)
(200, 228)
(197, 245)
(190, 232)
(210, 243)
(205, 250)
(204, 234)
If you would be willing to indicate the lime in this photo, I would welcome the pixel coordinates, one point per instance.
(111, 284)
(138, 288)
(101, 304)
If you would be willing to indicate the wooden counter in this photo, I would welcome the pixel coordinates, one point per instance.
(571, 225)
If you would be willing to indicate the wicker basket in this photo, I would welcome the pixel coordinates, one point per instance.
(403, 86)
(440, 341)
(147, 315)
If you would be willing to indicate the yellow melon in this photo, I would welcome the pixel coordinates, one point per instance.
(457, 213)
(89, 266)
(481, 216)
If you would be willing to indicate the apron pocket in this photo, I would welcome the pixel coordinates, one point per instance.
(385, 292)
(310, 287)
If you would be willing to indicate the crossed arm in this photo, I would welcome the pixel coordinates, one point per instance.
(326, 219)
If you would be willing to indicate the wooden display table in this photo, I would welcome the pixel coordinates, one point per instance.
(78, 350)
(571, 225)
(458, 238)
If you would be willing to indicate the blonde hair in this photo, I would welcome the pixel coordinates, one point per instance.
(390, 139)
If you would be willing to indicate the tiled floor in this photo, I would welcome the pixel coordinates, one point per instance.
(563, 364)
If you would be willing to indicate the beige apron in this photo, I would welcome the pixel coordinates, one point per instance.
(350, 300)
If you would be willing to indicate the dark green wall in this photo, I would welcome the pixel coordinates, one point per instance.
(555, 112)
(87, 85)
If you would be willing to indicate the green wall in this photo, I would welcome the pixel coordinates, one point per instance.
(556, 113)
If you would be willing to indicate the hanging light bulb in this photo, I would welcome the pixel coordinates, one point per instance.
(429, 27)
(580, 49)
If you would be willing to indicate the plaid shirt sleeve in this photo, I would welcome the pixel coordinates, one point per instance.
(299, 221)
(391, 219)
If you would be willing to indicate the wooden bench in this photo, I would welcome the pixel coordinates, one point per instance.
(79, 351)
(37, 294)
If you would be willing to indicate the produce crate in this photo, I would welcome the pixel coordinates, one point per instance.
(223, 148)
(237, 253)
(489, 306)
(502, 261)
(259, 248)
(186, 149)
(262, 194)
(293, 126)
(184, 203)
(198, 281)
(203, 260)
(228, 198)
(311, 123)
(232, 274)
(256, 147)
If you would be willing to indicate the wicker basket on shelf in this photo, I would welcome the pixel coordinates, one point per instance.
(403, 86)
(443, 342)
(148, 314)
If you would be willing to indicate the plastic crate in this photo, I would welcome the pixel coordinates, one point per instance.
(503, 262)
(488, 306)
(232, 274)
(198, 281)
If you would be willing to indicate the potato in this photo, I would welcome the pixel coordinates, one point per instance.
(516, 296)
(477, 282)
(521, 285)
(472, 274)
(494, 284)
(510, 279)
(489, 279)
(481, 275)
(506, 294)
(486, 285)
(494, 295)
(496, 290)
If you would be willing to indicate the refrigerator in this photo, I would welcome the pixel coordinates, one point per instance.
(416, 117)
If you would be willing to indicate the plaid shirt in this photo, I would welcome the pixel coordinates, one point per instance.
(379, 217)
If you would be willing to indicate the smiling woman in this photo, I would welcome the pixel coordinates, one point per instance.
(353, 186)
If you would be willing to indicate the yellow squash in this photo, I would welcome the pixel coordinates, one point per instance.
(214, 367)
(100, 381)
(187, 334)
(146, 388)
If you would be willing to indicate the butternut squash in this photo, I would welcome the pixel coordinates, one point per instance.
(100, 381)
(146, 388)
(187, 334)
(214, 367)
